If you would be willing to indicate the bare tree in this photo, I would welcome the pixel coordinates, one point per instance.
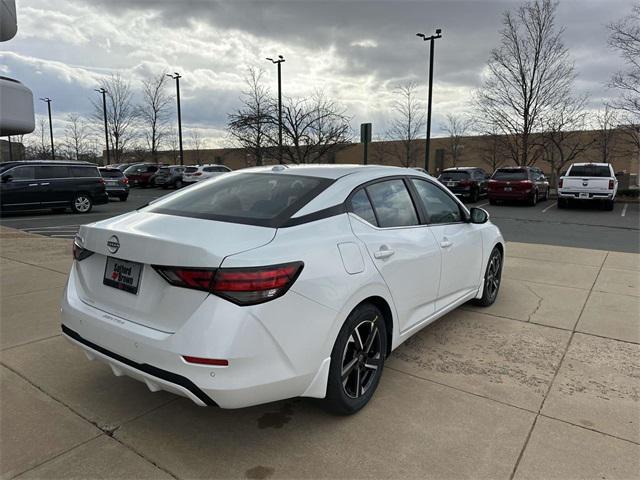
(528, 75)
(251, 126)
(606, 121)
(407, 125)
(154, 112)
(174, 148)
(121, 114)
(196, 144)
(563, 136)
(313, 129)
(457, 128)
(493, 149)
(77, 137)
(625, 38)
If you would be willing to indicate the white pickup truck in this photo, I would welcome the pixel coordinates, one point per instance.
(588, 182)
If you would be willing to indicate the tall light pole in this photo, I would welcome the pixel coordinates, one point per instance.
(47, 100)
(106, 128)
(428, 143)
(176, 76)
(279, 62)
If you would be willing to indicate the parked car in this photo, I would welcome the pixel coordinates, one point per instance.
(170, 176)
(202, 172)
(527, 184)
(115, 182)
(140, 174)
(467, 182)
(44, 184)
(588, 182)
(277, 282)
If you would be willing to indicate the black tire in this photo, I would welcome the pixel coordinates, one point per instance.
(361, 358)
(608, 205)
(533, 201)
(82, 203)
(123, 198)
(492, 278)
(562, 203)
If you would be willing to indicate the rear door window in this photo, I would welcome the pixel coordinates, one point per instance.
(392, 204)
(510, 174)
(22, 173)
(250, 198)
(52, 172)
(88, 171)
(361, 206)
(590, 171)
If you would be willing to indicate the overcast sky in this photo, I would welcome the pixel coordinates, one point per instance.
(357, 51)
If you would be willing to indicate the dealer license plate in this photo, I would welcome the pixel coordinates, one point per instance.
(122, 275)
(507, 189)
(583, 195)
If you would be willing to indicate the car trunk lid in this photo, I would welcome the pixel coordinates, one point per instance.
(144, 239)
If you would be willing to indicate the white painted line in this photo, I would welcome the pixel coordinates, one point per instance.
(624, 210)
(483, 204)
(550, 206)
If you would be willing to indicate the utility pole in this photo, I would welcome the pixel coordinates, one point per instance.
(279, 62)
(106, 128)
(47, 100)
(176, 76)
(428, 142)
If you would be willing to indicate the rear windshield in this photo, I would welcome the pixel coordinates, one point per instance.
(191, 169)
(263, 199)
(111, 173)
(510, 174)
(590, 171)
(454, 176)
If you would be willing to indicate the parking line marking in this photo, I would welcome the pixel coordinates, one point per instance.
(550, 206)
(624, 210)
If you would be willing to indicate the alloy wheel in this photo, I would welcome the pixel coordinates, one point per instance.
(494, 272)
(361, 359)
(82, 203)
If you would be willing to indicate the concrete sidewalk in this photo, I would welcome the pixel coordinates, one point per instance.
(543, 384)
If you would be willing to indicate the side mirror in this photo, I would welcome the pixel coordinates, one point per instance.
(6, 178)
(478, 215)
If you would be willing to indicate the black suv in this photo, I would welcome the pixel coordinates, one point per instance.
(468, 182)
(40, 184)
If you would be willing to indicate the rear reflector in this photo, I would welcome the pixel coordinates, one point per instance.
(242, 286)
(206, 361)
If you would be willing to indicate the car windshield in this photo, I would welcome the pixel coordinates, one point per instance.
(111, 173)
(590, 171)
(510, 174)
(191, 169)
(454, 176)
(252, 198)
(163, 170)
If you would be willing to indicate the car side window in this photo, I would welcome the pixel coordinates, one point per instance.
(392, 204)
(440, 207)
(361, 206)
(22, 173)
(52, 171)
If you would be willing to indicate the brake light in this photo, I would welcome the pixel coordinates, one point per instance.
(197, 174)
(206, 361)
(560, 183)
(124, 181)
(242, 286)
(610, 184)
(80, 253)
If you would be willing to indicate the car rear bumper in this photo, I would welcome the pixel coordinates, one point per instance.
(117, 191)
(261, 367)
(517, 195)
(571, 195)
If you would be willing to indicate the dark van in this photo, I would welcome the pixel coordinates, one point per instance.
(43, 184)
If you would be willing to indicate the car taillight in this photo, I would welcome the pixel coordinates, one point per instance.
(464, 183)
(124, 181)
(101, 180)
(610, 184)
(80, 253)
(242, 286)
(560, 183)
(197, 174)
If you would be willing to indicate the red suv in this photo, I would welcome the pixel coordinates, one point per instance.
(526, 184)
(139, 174)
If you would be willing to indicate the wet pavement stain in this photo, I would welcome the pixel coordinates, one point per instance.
(259, 472)
(276, 419)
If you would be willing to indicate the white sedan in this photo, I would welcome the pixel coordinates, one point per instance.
(198, 173)
(277, 282)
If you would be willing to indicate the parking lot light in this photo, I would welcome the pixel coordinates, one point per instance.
(279, 61)
(106, 128)
(47, 100)
(176, 76)
(431, 39)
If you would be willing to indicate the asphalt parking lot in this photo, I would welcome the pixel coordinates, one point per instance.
(583, 226)
(543, 384)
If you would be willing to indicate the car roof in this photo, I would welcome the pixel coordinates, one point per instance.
(453, 169)
(597, 164)
(331, 171)
(48, 162)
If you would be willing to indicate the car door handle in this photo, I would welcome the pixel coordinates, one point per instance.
(384, 252)
(46, 183)
(446, 243)
(33, 184)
